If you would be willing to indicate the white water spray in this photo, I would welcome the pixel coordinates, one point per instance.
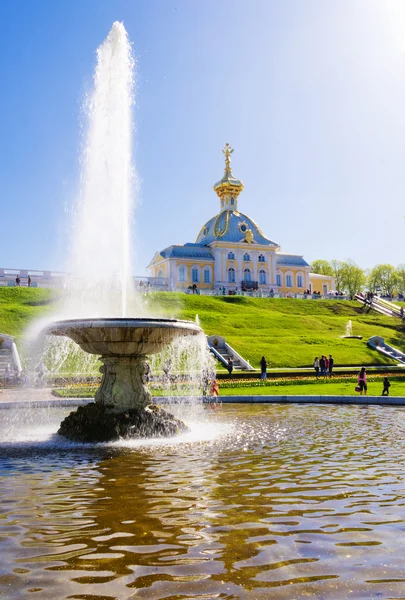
(100, 253)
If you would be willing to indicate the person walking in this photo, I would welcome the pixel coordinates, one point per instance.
(322, 365)
(386, 387)
(230, 366)
(263, 367)
(316, 366)
(331, 363)
(362, 381)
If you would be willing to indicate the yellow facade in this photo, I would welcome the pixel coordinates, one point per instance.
(232, 252)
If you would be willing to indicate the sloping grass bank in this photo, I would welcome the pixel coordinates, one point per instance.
(289, 332)
(19, 306)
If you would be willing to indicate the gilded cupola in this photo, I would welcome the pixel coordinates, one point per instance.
(228, 188)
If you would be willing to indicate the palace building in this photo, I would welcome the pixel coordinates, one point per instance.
(232, 252)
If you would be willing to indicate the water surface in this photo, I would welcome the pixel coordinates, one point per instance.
(260, 501)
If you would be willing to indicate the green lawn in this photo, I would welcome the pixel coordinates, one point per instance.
(20, 306)
(301, 386)
(289, 332)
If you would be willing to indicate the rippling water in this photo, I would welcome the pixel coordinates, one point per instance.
(258, 502)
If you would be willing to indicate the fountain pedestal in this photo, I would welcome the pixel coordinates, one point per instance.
(122, 405)
(123, 386)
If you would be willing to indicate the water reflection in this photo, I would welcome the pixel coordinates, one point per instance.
(288, 502)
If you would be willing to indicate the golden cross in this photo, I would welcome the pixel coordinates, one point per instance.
(227, 152)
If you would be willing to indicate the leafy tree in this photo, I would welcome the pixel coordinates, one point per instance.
(322, 267)
(401, 279)
(337, 272)
(384, 277)
(353, 278)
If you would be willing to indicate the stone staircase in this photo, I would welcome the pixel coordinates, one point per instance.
(6, 358)
(223, 352)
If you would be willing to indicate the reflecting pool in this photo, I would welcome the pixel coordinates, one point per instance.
(278, 501)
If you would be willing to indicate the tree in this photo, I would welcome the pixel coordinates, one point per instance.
(337, 272)
(322, 267)
(401, 278)
(353, 278)
(384, 277)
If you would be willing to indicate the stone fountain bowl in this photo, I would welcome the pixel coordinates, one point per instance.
(123, 336)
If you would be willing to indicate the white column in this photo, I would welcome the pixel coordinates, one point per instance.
(307, 280)
(217, 266)
(254, 260)
(240, 272)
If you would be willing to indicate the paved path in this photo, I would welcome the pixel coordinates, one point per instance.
(35, 397)
(25, 394)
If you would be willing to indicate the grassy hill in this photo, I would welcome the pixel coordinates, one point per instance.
(290, 333)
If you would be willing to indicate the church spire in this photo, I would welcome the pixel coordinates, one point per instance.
(228, 188)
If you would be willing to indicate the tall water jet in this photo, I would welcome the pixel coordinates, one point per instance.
(100, 254)
(100, 267)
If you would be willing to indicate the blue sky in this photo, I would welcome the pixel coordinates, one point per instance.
(310, 93)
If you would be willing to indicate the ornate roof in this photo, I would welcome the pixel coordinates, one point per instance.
(291, 260)
(187, 251)
(232, 226)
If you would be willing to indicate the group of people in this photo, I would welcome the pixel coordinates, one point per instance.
(362, 383)
(18, 281)
(324, 366)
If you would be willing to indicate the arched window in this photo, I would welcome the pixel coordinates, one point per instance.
(300, 281)
(195, 275)
(261, 258)
(246, 257)
(232, 201)
(262, 276)
(231, 275)
(182, 273)
(279, 279)
(247, 275)
(207, 275)
(231, 256)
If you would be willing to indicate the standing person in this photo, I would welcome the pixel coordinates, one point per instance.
(331, 363)
(29, 281)
(263, 367)
(362, 381)
(316, 366)
(214, 388)
(322, 365)
(326, 365)
(386, 387)
(230, 366)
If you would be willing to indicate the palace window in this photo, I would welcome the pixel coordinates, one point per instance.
(247, 275)
(261, 258)
(195, 275)
(182, 274)
(246, 257)
(289, 281)
(278, 279)
(232, 201)
(207, 276)
(160, 274)
(231, 256)
(262, 276)
(231, 275)
(299, 281)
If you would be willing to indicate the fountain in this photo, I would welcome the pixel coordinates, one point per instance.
(349, 332)
(123, 406)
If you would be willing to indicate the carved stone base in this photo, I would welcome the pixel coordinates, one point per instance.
(95, 423)
(123, 384)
